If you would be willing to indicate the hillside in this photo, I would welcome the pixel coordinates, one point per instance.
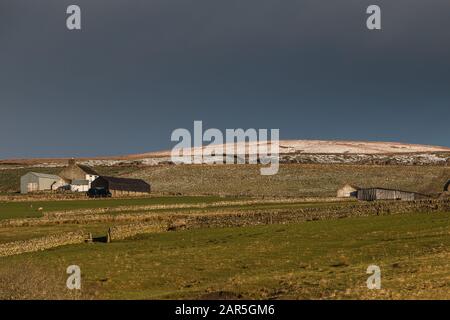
(322, 147)
(292, 180)
(291, 151)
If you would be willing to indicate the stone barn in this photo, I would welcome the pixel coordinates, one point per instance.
(348, 191)
(78, 172)
(35, 182)
(122, 186)
(372, 194)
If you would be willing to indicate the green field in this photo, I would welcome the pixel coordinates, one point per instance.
(29, 209)
(319, 260)
(131, 207)
(9, 234)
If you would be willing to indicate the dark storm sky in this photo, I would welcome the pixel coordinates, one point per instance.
(141, 68)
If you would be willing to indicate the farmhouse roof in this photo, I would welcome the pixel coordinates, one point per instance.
(350, 185)
(87, 169)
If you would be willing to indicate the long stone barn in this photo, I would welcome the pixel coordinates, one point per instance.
(372, 194)
(122, 186)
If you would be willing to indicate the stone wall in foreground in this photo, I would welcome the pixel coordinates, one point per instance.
(129, 230)
(297, 215)
(42, 243)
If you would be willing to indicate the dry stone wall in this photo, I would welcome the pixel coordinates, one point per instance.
(42, 243)
(281, 216)
(130, 230)
(257, 215)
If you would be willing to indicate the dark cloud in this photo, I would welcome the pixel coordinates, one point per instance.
(140, 69)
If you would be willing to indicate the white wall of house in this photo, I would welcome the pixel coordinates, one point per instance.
(79, 188)
(347, 191)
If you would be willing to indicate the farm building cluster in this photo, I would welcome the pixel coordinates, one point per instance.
(80, 178)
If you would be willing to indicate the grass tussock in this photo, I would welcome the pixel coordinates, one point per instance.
(27, 280)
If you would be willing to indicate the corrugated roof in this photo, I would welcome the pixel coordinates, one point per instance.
(45, 175)
(386, 189)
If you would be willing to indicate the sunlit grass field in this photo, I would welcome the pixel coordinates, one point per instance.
(158, 205)
(312, 260)
(30, 209)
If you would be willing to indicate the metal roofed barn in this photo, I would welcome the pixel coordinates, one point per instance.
(35, 182)
(372, 194)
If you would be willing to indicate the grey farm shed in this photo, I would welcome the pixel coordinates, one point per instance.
(33, 182)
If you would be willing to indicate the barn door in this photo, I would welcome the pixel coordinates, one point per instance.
(32, 186)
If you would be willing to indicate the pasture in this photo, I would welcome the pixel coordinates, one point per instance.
(30, 209)
(314, 260)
